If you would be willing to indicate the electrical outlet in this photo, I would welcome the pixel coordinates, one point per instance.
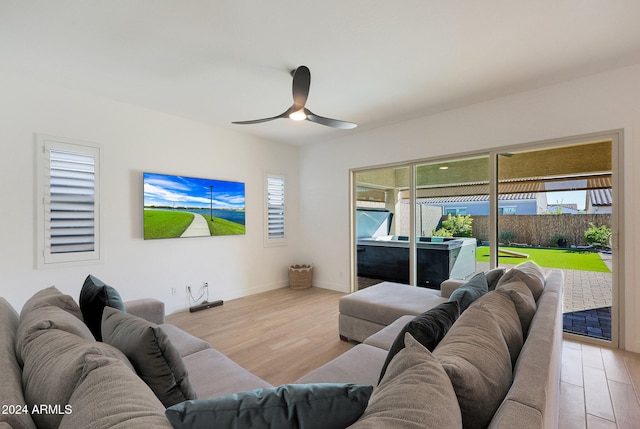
(174, 291)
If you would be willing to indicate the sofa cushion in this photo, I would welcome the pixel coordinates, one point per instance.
(321, 406)
(528, 272)
(427, 328)
(523, 300)
(476, 358)
(11, 374)
(49, 309)
(95, 295)
(211, 374)
(493, 276)
(470, 291)
(110, 395)
(414, 393)
(53, 364)
(504, 311)
(153, 356)
(51, 296)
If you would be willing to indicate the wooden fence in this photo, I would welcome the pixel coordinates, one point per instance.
(538, 230)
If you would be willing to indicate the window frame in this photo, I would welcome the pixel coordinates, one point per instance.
(44, 257)
(268, 239)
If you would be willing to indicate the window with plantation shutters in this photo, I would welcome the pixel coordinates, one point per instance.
(69, 218)
(275, 210)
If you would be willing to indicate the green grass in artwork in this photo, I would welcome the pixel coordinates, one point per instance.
(224, 227)
(165, 224)
(568, 259)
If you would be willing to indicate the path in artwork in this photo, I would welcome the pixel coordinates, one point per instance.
(198, 227)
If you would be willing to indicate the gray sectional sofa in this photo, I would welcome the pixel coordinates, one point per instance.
(486, 371)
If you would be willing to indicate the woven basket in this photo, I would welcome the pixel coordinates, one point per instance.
(300, 276)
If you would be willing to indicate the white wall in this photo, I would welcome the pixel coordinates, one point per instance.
(598, 103)
(134, 140)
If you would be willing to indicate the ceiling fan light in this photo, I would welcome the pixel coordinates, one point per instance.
(298, 115)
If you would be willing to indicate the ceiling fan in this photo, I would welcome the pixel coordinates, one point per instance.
(298, 111)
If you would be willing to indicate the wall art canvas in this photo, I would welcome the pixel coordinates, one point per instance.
(180, 206)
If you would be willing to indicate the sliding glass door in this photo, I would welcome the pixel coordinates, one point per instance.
(554, 203)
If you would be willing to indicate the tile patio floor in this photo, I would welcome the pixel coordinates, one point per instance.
(583, 290)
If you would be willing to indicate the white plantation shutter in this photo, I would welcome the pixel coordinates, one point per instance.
(275, 222)
(70, 201)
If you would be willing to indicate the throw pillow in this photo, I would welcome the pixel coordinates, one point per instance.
(309, 406)
(414, 393)
(522, 298)
(94, 297)
(470, 291)
(476, 358)
(528, 272)
(428, 329)
(151, 353)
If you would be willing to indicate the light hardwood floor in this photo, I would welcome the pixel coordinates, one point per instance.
(283, 334)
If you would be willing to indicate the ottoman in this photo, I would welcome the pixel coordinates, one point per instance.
(365, 312)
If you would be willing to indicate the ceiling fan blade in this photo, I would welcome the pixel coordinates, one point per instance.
(301, 83)
(335, 123)
(259, 121)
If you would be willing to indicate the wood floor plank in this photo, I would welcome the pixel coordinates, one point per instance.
(596, 393)
(625, 404)
(572, 366)
(572, 410)
(614, 366)
(592, 356)
(595, 422)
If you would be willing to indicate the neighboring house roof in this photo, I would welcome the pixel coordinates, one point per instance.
(600, 197)
(472, 198)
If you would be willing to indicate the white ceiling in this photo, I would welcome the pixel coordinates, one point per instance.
(372, 62)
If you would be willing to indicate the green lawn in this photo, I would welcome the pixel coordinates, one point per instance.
(224, 227)
(568, 259)
(168, 224)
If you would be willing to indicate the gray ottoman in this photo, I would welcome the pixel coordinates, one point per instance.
(365, 312)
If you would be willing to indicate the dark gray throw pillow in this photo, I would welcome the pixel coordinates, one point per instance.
(470, 291)
(94, 297)
(151, 353)
(303, 406)
(428, 329)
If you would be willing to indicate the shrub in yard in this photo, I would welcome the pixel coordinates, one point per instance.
(506, 236)
(597, 236)
(559, 240)
(441, 233)
(459, 226)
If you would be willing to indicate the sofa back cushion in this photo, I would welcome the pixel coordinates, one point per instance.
(53, 364)
(504, 311)
(11, 374)
(49, 309)
(110, 395)
(475, 356)
(428, 328)
(415, 392)
(150, 351)
(529, 273)
(523, 300)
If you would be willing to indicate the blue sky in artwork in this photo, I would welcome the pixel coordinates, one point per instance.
(180, 191)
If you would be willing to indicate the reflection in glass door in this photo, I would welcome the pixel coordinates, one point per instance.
(382, 226)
